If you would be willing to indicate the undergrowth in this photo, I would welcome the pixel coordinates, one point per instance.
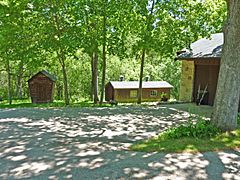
(196, 127)
(200, 129)
(197, 135)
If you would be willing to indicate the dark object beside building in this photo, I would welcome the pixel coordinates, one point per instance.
(113, 102)
(41, 87)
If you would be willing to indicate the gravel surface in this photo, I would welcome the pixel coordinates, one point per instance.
(92, 143)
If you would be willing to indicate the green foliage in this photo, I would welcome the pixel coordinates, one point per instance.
(3, 85)
(33, 32)
(200, 129)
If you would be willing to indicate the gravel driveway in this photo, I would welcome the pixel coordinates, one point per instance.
(92, 143)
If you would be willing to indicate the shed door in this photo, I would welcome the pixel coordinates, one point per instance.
(206, 76)
(42, 92)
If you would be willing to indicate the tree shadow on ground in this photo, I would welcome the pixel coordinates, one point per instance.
(92, 143)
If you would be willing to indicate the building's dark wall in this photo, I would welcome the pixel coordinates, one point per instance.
(109, 92)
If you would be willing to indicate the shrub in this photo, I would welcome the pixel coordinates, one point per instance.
(200, 129)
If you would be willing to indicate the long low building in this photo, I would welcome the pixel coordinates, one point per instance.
(127, 91)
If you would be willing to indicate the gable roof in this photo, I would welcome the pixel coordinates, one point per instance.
(135, 84)
(204, 48)
(46, 73)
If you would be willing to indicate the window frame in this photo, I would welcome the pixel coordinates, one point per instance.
(155, 94)
(131, 92)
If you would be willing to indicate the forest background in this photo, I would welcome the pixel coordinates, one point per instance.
(87, 43)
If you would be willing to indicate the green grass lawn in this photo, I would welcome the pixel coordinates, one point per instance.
(26, 103)
(223, 141)
(57, 104)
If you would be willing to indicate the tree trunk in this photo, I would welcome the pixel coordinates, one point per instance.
(60, 51)
(104, 55)
(19, 81)
(9, 83)
(103, 74)
(61, 57)
(141, 77)
(65, 83)
(59, 89)
(228, 90)
(95, 76)
(146, 37)
(92, 82)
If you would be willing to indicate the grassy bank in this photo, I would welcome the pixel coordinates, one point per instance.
(199, 137)
(223, 141)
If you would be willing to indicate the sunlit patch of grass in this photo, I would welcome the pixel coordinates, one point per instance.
(26, 103)
(182, 139)
(223, 141)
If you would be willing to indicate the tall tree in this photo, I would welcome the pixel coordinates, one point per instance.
(105, 28)
(90, 31)
(104, 44)
(57, 32)
(95, 76)
(147, 36)
(171, 25)
(15, 40)
(228, 89)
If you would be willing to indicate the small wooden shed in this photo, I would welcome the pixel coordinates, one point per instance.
(127, 91)
(41, 87)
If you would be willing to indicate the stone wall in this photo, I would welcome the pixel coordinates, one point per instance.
(187, 78)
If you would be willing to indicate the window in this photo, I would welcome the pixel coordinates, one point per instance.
(133, 93)
(153, 93)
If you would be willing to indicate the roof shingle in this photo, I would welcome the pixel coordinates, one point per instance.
(204, 48)
(135, 84)
(47, 74)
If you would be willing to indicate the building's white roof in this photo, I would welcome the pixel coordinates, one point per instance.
(135, 84)
(204, 48)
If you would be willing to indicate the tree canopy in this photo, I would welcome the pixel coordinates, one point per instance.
(86, 43)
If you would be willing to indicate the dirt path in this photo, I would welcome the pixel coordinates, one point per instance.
(91, 143)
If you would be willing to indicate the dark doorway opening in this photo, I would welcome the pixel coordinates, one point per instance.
(206, 78)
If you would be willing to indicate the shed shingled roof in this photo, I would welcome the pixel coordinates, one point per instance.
(204, 48)
(135, 84)
(46, 73)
